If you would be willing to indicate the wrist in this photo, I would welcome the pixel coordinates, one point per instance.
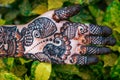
(10, 44)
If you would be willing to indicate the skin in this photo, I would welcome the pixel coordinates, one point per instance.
(51, 38)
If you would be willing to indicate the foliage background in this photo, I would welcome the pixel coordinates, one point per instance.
(101, 12)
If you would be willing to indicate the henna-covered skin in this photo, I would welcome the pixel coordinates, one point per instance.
(49, 38)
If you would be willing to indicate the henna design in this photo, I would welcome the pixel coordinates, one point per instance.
(99, 30)
(65, 13)
(69, 29)
(9, 42)
(77, 59)
(39, 28)
(97, 50)
(49, 40)
(58, 50)
(99, 40)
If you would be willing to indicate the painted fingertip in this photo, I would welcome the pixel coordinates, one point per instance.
(92, 60)
(106, 31)
(105, 50)
(111, 41)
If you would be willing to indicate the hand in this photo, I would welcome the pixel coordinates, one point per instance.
(51, 38)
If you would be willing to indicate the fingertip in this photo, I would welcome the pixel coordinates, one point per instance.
(92, 60)
(111, 41)
(105, 50)
(106, 31)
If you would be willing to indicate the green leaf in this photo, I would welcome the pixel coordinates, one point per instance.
(40, 71)
(8, 76)
(72, 70)
(14, 14)
(114, 48)
(109, 60)
(117, 29)
(9, 62)
(6, 2)
(68, 69)
(115, 71)
(2, 65)
(112, 15)
(2, 22)
(76, 1)
(83, 17)
(19, 70)
(53, 4)
(97, 13)
(23, 61)
(40, 9)
(26, 77)
(25, 8)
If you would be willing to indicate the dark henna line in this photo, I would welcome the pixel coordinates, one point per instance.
(65, 13)
(39, 28)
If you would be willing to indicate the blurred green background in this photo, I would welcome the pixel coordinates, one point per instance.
(101, 12)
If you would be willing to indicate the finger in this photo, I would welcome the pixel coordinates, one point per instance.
(83, 60)
(91, 29)
(65, 13)
(99, 30)
(71, 30)
(99, 40)
(89, 50)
